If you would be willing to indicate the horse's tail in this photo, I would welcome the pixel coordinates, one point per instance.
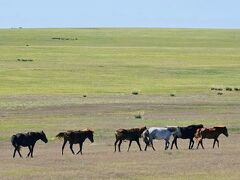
(14, 142)
(61, 135)
(198, 133)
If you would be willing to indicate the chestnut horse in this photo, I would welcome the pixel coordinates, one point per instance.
(210, 133)
(76, 137)
(128, 134)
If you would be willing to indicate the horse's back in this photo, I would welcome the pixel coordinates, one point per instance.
(156, 128)
(159, 132)
(189, 131)
(128, 134)
(209, 133)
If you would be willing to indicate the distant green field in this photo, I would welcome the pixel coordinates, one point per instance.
(101, 61)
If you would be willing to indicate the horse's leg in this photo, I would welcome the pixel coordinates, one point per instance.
(130, 142)
(32, 150)
(64, 143)
(166, 144)
(217, 142)
(192, 144)
(198, 144)
(189, 147)
(79, 149)
(145, 149)
(80, 146)
(14, 152)
(151, 141)
(115, 144)
(119, 145)
(71, 147)
(214, 143)
(202, 143)
(174, 142)
(139, 145)
(18, 150)
(29, 147)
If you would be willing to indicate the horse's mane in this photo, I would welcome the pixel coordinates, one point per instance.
(88, 130)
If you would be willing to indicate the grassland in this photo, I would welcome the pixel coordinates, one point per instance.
(107, 65)
(118, 60)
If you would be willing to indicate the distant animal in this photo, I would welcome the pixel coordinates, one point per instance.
(228, 89)
(158, 133)
(210, 133)
(28, 139)
(186, 133)
(75, 137)
(128, 134)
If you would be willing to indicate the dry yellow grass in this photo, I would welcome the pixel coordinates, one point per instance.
(100, 162)
(106, 113)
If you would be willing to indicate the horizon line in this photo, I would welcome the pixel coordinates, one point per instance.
(124, 27)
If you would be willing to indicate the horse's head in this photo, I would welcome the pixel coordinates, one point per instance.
(172, 129)
(43, 137)
(175, 130)
(142, 129)
(224, 130)
(90, 135)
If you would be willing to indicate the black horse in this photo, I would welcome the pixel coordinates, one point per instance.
(76, 137)
(186, 133)
(28, 139)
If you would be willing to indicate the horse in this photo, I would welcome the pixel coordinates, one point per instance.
(28, 139)
(186, 133)
(128, 134)
(210, 133)
(75, 137)
(158, 133)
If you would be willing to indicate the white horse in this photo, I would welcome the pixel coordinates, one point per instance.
(159, 133)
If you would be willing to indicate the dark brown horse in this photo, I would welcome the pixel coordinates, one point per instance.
(210, 133)
(128, 134)
(28, 139)
(76, 137)
(186, 133)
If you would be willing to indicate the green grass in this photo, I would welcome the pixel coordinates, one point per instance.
(118, 60)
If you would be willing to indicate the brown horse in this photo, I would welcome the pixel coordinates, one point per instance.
(128, 134)
(76, 137)
(210, 133)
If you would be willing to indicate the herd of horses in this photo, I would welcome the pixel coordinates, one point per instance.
(134, 134)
